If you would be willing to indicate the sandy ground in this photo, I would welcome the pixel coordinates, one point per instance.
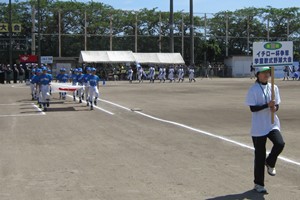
(184, 141)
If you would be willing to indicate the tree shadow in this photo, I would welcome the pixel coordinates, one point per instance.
(250, 195)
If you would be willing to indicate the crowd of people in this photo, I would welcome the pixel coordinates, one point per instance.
(13, 74)
(290, 72)
(162, 74)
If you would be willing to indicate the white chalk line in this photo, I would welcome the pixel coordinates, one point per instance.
(200, 131)
(40, 110)
(20, 87)
(23, 115)
(97, 107)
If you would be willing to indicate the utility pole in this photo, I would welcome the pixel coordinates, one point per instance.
(268, 29)
(33, 45)
(171, 24)
(205, 36)
(288, 30)
(59, 33)
(39, 33)
(192, 60)
(136, 34)
(111, 33)
(226, 39)
(85, 32)
(248, 35)
(10, 32)
(182, 35)
(160, 38)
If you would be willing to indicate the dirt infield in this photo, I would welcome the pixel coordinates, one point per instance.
(166, 141)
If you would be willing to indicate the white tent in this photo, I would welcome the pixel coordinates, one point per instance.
(159, 58)
(129, 57)
(106, 57)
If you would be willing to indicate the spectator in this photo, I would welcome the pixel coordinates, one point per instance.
(15, 73)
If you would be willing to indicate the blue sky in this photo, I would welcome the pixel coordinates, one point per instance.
(200, 6)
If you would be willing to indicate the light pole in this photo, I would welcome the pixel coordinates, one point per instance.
(171, 23)
(10, 32)
(39, 32)
(192, 60)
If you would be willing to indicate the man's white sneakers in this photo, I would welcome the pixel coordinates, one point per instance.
(260, 189)
(271, 171)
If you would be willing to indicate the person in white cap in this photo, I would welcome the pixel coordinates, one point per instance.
(130, 75)
(152, 74)
(171, 74)
(259, 99)
(192, 75)
(93, 80)
(44, 82)
(140, 73)
(180, 74)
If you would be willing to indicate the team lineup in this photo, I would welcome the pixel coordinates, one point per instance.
(41, 79)
(40, 85)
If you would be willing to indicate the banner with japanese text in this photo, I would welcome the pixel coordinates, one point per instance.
(272, 54)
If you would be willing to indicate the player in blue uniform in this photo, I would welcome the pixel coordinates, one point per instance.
(33, 84)
(86, 85)
(62, 77)
(73, 79)
(50, 73)
(80, 81)
(44, 81)
(93, 80)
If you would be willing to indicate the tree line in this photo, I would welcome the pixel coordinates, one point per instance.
(76, 26)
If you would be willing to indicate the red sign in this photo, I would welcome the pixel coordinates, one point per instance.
(28, 58)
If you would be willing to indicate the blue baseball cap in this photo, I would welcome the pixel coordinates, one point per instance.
(93, 69)
(39, 71)
(44, 68)
(62, 69)
(79, 69)
(88, 69)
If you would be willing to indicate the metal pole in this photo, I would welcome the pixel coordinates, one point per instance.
(110, 33)
(85, 32)
(136, 34)
(268, 29)
(160, 38)
(192, 61)
(226, 42)
(182, 35)
(10, 32)
(59, 33)
(288, 29)
(39, 34)
(33, 45)
(205, 36)
(171, 24)
(248, 35)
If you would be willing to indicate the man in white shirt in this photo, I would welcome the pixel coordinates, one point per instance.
(261, 105)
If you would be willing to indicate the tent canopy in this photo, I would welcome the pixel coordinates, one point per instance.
(106, 57)
(129, 57)
(159, 58)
